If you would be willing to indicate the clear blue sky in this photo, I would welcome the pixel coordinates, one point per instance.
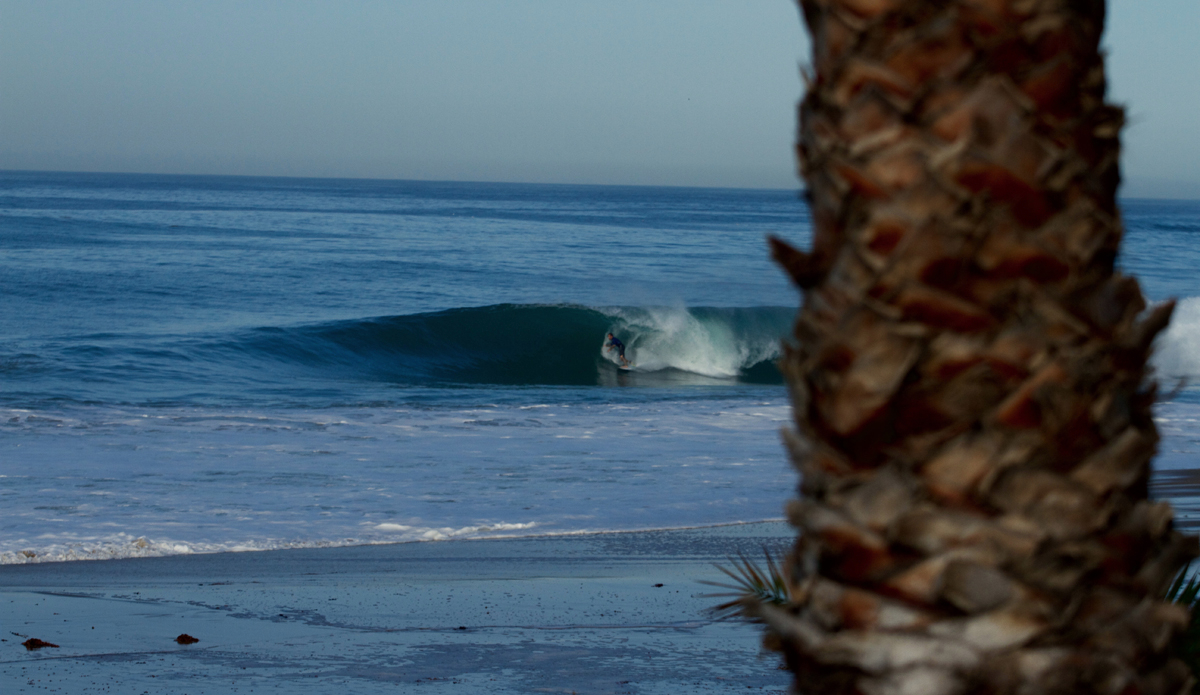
(674, 92)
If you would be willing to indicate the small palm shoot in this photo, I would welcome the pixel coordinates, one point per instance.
(752, 586)
(1184, 592)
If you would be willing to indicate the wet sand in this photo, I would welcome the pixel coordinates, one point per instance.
(583, 614)
(579, 614)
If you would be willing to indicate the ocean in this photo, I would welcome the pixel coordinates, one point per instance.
(214, 364)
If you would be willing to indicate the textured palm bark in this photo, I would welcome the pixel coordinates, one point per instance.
(969, 380)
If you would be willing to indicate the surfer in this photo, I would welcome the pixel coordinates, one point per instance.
(613, 343)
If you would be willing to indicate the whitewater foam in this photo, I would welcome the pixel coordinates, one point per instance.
(447, 533)
(123, 546)
(203, 480)
(1177, 351)
(717, 343)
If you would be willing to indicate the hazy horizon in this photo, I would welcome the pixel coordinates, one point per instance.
(674, 93)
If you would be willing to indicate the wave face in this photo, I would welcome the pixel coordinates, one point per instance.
(513, 344)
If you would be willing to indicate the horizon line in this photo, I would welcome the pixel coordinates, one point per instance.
(799, 189)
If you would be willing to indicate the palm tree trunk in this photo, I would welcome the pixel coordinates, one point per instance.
(969, 382)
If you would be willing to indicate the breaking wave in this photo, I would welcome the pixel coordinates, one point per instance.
(504, 344)
(518, 344)
(551, 345)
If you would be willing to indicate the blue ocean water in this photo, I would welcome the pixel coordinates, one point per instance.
(194, 364)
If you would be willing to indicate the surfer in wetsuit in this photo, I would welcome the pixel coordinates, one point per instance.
(613, 343)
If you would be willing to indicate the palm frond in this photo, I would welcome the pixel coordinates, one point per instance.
(1185, 588)
(1184, 591)
(752, 585)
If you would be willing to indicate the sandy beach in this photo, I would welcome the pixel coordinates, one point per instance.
(602, 613)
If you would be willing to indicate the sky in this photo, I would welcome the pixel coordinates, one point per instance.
(653, 92)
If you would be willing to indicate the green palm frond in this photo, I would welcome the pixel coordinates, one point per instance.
(1184, 592)
(1185, 588)
(752, 585)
